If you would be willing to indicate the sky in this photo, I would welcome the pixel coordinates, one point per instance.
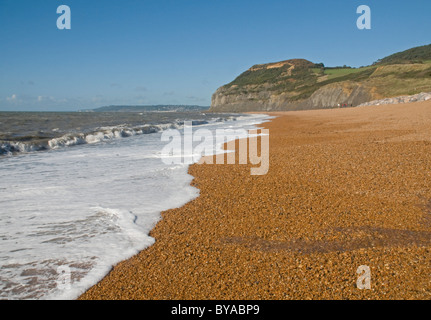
(146, 52)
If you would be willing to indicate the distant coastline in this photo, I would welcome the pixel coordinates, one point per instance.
(148, 108)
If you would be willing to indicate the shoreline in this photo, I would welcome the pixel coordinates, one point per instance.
(345, 188)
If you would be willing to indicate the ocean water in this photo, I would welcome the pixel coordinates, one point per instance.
(74, 201)
(39, 131)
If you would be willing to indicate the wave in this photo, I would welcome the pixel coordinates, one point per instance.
(96, 136)
(9, 148)
(104, 134)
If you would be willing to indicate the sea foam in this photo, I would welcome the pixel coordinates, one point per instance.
(84, 209)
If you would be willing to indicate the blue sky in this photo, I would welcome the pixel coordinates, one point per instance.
(180, 51)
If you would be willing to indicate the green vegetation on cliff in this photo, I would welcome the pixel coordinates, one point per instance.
(301, 84)
(298, 80)
(414, 55)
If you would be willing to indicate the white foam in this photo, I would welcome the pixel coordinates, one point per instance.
(84, 208)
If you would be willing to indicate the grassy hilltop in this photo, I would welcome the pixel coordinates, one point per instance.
(301, 84)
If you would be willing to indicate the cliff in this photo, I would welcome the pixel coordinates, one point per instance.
(299, 84)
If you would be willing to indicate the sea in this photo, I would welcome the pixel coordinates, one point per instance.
(81, 191)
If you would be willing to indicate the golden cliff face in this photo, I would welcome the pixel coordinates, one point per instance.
(329, 96)
(300, 84)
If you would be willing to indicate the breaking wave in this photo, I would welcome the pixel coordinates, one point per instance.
(96, 136)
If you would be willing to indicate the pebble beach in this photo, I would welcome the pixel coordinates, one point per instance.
(345, 188)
